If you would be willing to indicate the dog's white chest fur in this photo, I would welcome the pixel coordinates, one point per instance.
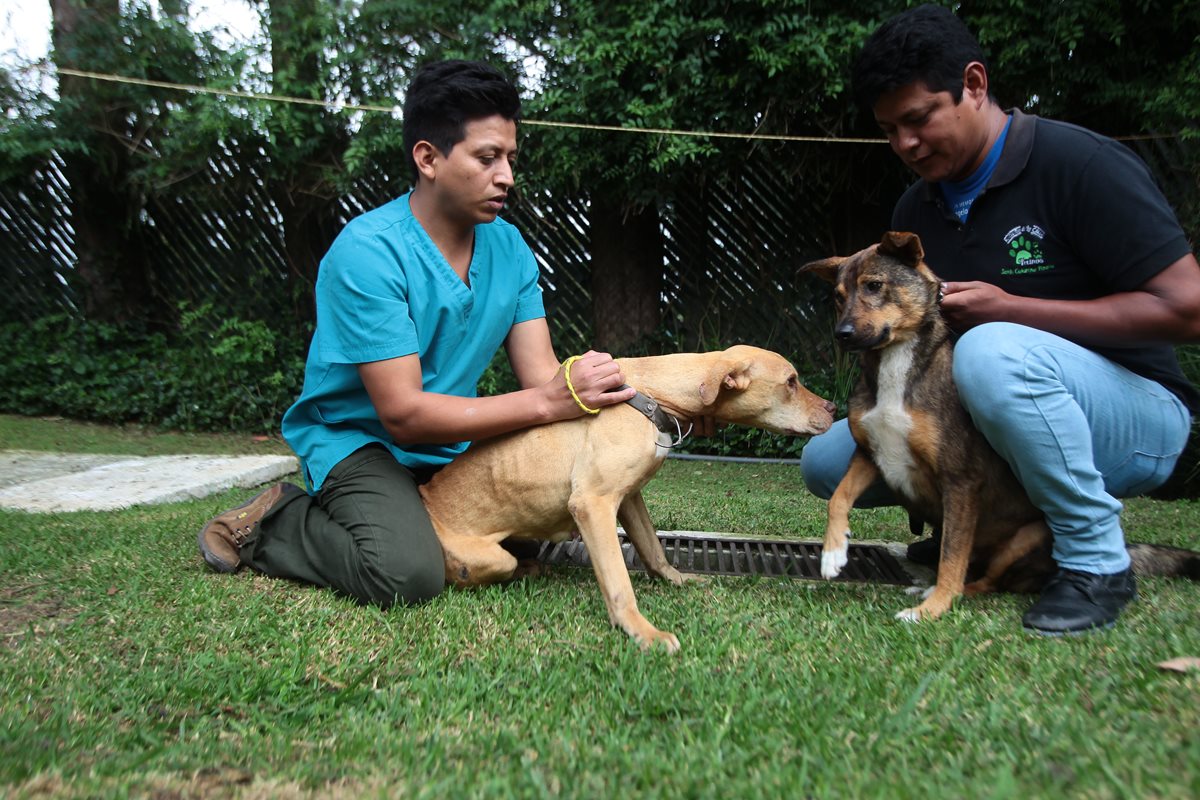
(889, 423)
(662, 445)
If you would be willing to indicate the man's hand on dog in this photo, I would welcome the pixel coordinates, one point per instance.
(597, 379)
(966, 304)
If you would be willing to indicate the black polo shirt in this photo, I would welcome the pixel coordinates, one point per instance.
(1068, 214)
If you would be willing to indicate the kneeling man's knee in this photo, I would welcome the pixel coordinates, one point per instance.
(405, 578)
(824, 459)
(987, 360)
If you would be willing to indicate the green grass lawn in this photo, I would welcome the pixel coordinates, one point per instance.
(129, 669)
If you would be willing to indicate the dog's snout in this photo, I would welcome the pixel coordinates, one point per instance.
(830, 406)
(843, 331)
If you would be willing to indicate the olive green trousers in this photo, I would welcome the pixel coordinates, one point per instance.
(365, 534)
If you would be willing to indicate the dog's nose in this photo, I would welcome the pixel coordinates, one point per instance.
(843, 331)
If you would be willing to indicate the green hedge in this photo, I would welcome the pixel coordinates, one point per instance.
(210, 375)
(220, 374)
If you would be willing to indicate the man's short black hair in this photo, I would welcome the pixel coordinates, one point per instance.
(927, 44)
(445, 95)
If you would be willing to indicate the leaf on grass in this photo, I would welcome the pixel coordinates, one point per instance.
(1181, 664)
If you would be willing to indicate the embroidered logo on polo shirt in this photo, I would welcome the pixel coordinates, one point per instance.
(1024, 248)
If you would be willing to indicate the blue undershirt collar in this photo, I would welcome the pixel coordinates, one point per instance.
(960, 195)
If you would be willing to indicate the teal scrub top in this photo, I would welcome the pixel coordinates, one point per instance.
(383, 291)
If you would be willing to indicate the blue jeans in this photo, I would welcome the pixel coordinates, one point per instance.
(1078, 430)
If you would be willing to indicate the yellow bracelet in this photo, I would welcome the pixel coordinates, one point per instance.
(566, 365)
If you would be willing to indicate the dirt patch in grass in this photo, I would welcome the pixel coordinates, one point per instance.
(22, 609)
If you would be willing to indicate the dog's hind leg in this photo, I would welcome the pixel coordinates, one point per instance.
(596, 517)
(858, 478)
(1027, 539)
(636, 519)
(475, 560)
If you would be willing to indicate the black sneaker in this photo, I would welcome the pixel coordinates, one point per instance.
(1074, 602)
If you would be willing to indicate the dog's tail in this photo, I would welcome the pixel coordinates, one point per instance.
(1164, 562)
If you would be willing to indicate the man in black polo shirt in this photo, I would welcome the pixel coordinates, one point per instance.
(1067, 276)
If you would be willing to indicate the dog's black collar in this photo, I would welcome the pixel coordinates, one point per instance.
(665, 422)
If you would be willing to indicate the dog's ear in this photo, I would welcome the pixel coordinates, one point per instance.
(826, 269)
(728, 373)
(902, 245)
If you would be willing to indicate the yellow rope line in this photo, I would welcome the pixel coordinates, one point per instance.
(336, 106)
(99, 76)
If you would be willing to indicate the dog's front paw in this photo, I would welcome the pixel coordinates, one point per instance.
(909, 615)
(833, 559)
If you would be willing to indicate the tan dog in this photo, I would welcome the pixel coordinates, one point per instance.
(584, 474)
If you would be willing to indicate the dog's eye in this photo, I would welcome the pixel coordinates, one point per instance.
(874, 286)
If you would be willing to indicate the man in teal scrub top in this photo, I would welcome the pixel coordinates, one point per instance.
(413, 300)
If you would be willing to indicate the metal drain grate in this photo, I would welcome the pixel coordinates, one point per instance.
(722, 556)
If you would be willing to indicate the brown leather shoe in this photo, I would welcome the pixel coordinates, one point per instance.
(223, 536)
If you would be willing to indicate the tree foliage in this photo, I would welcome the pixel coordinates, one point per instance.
(724, 66)
(732, 66)
(727, 66)
(1121, 67)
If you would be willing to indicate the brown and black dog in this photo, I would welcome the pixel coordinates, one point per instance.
(912, 430)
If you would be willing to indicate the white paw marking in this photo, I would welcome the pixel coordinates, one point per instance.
(909, 615)
(833, 560)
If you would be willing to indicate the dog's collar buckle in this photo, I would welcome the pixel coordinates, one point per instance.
(645, 404)
(667, 423)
